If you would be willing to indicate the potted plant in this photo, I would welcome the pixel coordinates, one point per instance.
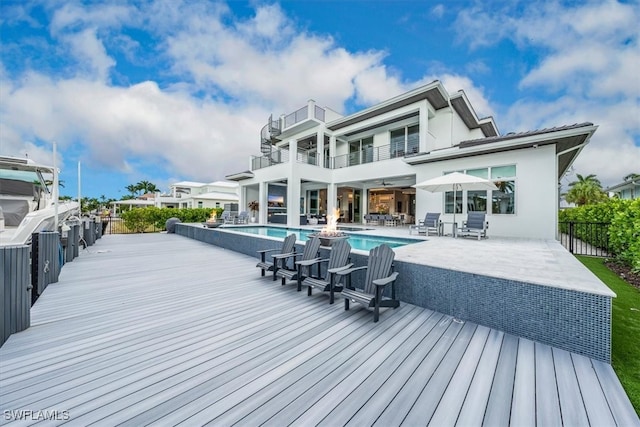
(254, 207)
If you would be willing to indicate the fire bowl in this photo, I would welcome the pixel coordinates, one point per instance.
(328, 239)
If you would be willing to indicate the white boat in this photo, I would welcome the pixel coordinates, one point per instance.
(27, 204)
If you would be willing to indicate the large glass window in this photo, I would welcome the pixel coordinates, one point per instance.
(449, 201)
(503, 200)
(413, 139)
(397, 143)
(361, 151)
(404, 141)
(476, 201)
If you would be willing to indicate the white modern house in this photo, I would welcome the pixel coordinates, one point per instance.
(629, 189)
(188, 194)
(314, 160)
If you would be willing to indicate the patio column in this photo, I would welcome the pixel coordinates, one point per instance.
(320, 146)
(332, 146)
(424, 145)
(293, 187)
(332, 194)
(263, 206)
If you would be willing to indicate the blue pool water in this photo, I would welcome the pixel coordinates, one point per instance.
(357, 241)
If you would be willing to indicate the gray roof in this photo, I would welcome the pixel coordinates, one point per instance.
(515, 135)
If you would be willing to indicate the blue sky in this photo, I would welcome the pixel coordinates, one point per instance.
(172, 90)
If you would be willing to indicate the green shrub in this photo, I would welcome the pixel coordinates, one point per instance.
(624, 229)
(624, 234)
(140, 219)
(137, 220)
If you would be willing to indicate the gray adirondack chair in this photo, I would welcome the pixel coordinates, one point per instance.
(297, 270)
(379, 274)
(288, 247)
(476, 225)
(338, 260)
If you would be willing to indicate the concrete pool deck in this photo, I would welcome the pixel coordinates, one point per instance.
(544, 262)
(531, 288)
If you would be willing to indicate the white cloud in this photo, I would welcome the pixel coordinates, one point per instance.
(438, 10)
(589, 61)
(91, 53)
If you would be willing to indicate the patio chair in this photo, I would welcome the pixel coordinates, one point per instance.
(288, 247)
(298, 271)
(242, 218)
(475, 225)
(337, 261)
(389, 220)
(430, 224)
(379, 274)
(226, 218)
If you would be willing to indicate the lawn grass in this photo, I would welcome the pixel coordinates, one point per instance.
(625, 330)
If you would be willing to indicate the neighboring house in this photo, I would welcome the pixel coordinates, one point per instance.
(626, 190)
(187, 194)
(315, 160)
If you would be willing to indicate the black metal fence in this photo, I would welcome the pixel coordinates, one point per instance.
(586, 238)
(114, 225)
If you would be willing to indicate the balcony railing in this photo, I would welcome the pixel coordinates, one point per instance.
(303, 114)
(296, 117)
(368, 155)
(309, 157)
(274, 158)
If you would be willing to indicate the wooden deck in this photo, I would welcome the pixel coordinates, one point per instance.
(160, 329)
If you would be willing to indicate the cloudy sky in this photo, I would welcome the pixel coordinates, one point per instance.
(172, 90)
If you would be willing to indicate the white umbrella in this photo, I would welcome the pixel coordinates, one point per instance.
(455, 181)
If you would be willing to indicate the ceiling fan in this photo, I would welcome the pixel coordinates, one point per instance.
(384, 184)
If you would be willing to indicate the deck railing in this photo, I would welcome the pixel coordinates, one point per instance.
(274, 158)
(309, 157)
(368, 155)
(585, 238)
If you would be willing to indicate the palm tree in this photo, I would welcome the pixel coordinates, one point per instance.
(586, 190)
(133, 189)
(146, 187)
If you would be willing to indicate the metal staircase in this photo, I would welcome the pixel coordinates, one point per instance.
(268, 136)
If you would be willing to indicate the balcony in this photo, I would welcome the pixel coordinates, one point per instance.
(370, 155)
(274, 158)
(303, 114)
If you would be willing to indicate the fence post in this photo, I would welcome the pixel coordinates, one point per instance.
(15, 291)
(45, 262)
(571, 236)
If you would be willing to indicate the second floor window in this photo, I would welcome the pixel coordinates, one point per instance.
(404, 141)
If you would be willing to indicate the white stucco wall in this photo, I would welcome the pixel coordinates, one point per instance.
(536, 192)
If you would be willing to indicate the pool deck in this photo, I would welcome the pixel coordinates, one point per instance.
(544, 262)
(161, 329)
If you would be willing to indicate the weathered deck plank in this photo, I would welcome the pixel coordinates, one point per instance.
(165, 330)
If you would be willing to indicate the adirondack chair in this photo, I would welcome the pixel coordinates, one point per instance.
(379, 274)
(338, 260)
(475, 225)
(298, 271)
(288, 247)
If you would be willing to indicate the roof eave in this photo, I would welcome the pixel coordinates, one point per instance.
(530, 141)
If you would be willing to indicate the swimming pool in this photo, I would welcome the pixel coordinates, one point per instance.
(357, 241)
